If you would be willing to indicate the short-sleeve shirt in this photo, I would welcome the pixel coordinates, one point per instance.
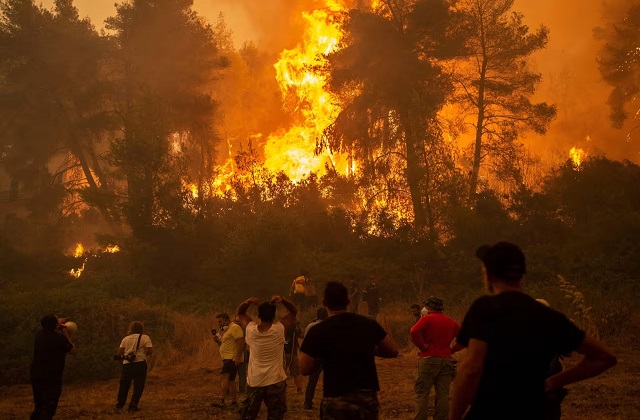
(436, 331)
(131, 341)
(523, 337)
(266, 364)
(49, 352)
(228, 343)
(345, 344)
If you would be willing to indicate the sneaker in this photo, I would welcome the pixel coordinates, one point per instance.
(118, 409)
(133, 409)
(220, 404)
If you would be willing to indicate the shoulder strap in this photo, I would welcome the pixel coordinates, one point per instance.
(138, 344)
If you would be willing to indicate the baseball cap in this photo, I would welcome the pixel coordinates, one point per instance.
(503, 260)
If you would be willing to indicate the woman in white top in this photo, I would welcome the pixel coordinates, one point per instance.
(134, 350)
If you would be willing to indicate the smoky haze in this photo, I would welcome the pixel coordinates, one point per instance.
(571, 78)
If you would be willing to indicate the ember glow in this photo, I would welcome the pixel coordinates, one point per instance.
(577, 156)
(303, 86)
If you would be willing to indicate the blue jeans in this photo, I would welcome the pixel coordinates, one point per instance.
(433, 372)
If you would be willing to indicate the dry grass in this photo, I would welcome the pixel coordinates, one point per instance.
(186, 390)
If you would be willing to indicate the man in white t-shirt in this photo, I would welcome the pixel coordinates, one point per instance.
(266, 378)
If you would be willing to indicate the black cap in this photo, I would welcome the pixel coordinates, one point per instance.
(503, 260)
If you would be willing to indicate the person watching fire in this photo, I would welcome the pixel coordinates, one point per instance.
(230, 338)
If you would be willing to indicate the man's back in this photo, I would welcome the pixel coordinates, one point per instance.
(522, 338)
(346, 345)
(50, 350)
(266, 361)
(437, 332)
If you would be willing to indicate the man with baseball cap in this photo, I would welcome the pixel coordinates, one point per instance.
(433, 335)
(510, 339)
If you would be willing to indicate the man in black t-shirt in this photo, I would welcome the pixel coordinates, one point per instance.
(51, 347)
(345, 345)
(510, 339)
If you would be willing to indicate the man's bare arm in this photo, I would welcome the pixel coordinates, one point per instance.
(597, 359)
(240, 345)
(387, 348)
(308, 364)
(468, 378)
(289, 318)
(242, 310)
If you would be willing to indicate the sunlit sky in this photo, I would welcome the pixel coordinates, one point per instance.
(236, 17)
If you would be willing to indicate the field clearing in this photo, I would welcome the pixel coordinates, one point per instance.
(171, 394)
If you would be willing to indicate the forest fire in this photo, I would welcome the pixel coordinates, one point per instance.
(80, 251)
(577, 156)
(303, 88)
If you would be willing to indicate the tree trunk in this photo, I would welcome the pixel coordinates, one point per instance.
(414, 174)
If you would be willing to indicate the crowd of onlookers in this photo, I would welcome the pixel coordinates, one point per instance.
(511, 368)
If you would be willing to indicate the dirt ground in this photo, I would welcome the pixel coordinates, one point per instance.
(170, 394)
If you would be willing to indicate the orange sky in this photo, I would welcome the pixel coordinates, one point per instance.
(570, 74)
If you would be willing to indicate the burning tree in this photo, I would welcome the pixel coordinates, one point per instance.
(389, 80)
(495, 83)
(165, 64)
(53, 100)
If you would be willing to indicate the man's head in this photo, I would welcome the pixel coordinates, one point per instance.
(373, 279)
(267, 312)
(503, 261)
(322, 314)
(415, 310)
(336, 297)
(434, 304)
(49, 323)
(223, 319)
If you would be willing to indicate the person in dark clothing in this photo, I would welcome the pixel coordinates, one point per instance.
(345, 345)
(52, 344)
(510, 340)
(372, 297)
(321, 315)
(415, 311)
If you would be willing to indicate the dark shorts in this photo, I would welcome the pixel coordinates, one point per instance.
(229, 367)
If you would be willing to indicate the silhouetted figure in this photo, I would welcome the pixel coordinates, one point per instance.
(297, 291)
(321, 315)
(345, 346)
(52, 344)
(135, 348)
(415, 311)
(510, 339)
(433, 335)
(291, 347)
(372, 297)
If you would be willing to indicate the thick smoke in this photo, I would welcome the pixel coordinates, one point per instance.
(571, 78)
(570, 73)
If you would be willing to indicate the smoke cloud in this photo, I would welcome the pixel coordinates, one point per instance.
(572, 81)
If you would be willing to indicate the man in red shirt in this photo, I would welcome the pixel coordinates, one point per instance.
(433, 335)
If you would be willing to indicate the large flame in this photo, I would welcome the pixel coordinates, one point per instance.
(78, 251)
(302, 83)
(577, 156)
